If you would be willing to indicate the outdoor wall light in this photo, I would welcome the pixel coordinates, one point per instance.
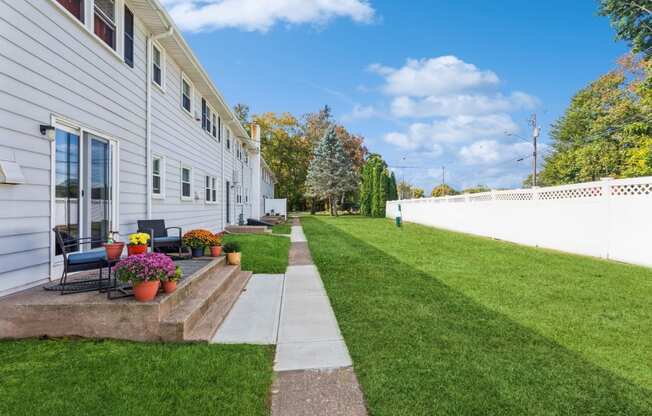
(48, 131)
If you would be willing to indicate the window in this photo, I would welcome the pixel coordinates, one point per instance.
(129, 38)
(214, 132)
(75, 7)
(158, 178)
(228, 139)
(247, 158)
(186, 183)
(104, 21)
(157, 66)
(211, 189)
(186, 95)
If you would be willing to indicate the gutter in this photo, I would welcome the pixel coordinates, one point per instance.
(148, 117)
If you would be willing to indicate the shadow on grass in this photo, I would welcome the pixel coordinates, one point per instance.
(420, 347)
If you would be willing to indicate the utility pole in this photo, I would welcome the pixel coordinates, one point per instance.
(535, 137)
(443, 179)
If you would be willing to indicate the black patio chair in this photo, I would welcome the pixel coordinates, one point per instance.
(78, 261)
(159, 238)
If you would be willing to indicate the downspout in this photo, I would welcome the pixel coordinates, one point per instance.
(148, 117)
(222, 183)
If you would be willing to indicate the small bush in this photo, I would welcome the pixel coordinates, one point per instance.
(231, 247)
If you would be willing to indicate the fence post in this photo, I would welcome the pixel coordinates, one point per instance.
(606, 184)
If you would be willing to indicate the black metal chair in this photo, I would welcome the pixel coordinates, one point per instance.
(159, 238)
(77, 261)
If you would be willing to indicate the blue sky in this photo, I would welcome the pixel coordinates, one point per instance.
(427, 83)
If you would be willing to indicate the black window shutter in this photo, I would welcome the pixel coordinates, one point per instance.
(203, 114)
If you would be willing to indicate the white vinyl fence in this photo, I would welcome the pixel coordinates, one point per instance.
(276, 207)
(610, 219)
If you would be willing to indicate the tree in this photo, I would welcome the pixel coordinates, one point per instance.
(288, 155)
(392, 194)
(606, 129)
(476, 189)
(418, 192)
(331, 171)
(242, 114)
(443, 190)
(375, 187)
(632, 20)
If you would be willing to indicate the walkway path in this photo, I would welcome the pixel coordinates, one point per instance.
(313, 368)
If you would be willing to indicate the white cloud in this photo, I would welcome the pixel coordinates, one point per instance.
(451, 130)
(491, 152)
(461, 104)
(261, 15)
(361, 112)
(435, 76)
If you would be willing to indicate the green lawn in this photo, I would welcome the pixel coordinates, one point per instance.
(445, 323)
(123, 378)
(263, 253)
(283, 228)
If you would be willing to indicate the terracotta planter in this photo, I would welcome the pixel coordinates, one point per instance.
(146, 291)
(114, 250)
(216, 251)
(198, 252)
(169, 286)
(134, 250)
(233, 258)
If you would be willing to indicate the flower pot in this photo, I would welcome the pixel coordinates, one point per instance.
(233, 258)
(198, 252)
(216, 251)
(146, 291)
(169, 286)
(134, 250)
(114, 250)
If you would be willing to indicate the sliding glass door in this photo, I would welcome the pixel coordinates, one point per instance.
(84, 187)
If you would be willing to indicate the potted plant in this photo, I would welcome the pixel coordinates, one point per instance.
(232, 250)
(216, 245)
(113, 248)
(197, 240)
(137, 244)
(145, 272)
(170, 282)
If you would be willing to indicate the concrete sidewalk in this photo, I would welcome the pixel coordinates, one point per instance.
(313, 367)
(255, 317)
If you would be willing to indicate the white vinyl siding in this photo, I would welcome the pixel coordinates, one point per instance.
(60, 67)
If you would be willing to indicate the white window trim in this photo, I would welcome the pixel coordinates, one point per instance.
(88, 25)
(163, 66)
(211, 180)
(161, 159)
(185, 198)
(192, 95)
(215, 128)
(213, 113)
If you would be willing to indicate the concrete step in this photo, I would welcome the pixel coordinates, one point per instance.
(247, 229)
(187, 287)
(180, 320)
(207, 327)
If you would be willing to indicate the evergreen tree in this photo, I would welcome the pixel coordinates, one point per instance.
(331, 172)
(377, 186)
(393, 191)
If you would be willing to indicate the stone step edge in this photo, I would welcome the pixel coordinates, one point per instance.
(211, 322)
(185, 316)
